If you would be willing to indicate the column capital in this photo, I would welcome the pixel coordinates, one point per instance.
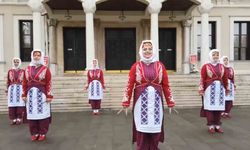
(36, 5)
(89, 6)
(52, 22)
(205, 6)
(187, 23)
(154, 6)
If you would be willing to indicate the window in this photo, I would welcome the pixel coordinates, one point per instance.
(241, 41)
(26, 39)
(212, 37)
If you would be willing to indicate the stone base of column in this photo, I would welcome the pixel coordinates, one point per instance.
(186, 68)
(53, 69)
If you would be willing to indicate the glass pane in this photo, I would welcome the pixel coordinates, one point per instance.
(26, 27)
(244, 28)
(236, 28)
(26, 54)
(243, 41)
(243, 54)
(236, 53)
(236, 41)
(198, 29)
(199, 53)
(210, 41)
(210, 28)
(26, 41)
(198, 41)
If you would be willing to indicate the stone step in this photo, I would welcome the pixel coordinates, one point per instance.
(110, 94)
(178, 100)
(114, 105)
(69, 95)
(118, 104)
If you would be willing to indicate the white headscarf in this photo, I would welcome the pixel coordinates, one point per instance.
(211, 57)
(13, 64)
(222, 61)
(152, 58)
(40, 62)
(97, 65)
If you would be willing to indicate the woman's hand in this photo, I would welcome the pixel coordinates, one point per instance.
(24, 99)
(125, 109)
(48, 100)
(85, 88)
(201, 93)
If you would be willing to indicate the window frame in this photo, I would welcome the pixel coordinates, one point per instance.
(22, 48)
(240, 35)
(213, 36)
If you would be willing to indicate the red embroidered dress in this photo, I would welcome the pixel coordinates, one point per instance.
(95, 84)
(148, 83)
(14, 87)
(231, 85)
(213, 84)
(37, 87)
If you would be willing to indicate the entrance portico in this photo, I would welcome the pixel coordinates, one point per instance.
(146, 16)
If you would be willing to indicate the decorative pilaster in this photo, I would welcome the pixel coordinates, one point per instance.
(52, 45)
(145, 23)
(187, 45)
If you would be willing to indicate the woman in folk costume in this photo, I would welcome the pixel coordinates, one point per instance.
(95, 86)
(213, 83)
(148, 81)
(37, 94)
(230, 97)
(14, 91)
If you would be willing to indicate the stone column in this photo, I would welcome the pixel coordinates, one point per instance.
(37, 8)
(204, 9)
(187, 45)
(52, 45)
(99, 51)
(154, 9)
(2, 60)
(89, 7)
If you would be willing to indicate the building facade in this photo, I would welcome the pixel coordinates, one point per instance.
(72, 33)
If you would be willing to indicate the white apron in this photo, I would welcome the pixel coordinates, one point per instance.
(37, 107)
(230, 96)
(15, 96)
(95, 91)
(214, 97)
(148, 111)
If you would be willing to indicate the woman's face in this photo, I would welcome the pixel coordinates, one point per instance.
(215, 56)
(147, 50)
(37, 56)
(16, 62)
(94, 63)
(225, 61)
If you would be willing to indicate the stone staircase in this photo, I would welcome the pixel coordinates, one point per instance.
(69, 95)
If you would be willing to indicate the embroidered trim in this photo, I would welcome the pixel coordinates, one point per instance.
(11, 75)
(160, 73)
(21, 76)
(138, 73)
(209, 72)
(222, 70)
(42, 74)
